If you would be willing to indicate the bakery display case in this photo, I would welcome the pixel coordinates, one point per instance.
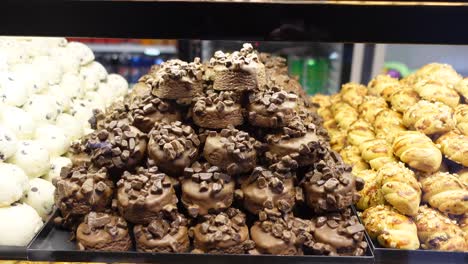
(270, 139)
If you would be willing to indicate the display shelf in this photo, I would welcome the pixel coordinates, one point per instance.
(326, 21)
(53, 244)
(133, 48)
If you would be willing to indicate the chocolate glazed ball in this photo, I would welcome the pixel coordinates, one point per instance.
(224, 233)
(141, 196)
(150, 110)
(330, 186)
(118, 147)
(79, 191)
(231, 150)
(105, 232)
(338, 234)
(205, 189)
(173, 147)
(165, 234)
(271, 188)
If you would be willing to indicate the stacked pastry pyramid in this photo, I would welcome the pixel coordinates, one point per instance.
(221, 157)
(48, 88)
(408, 139)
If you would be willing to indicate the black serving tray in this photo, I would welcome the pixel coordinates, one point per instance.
(53, 244)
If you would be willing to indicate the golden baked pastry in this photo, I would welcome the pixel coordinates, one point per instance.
(353, 94)
(400, 187)
(417, 150)
(463, 224)
(387, 124)
(325, 113)
(403, 99)
(409, 80)
(429, 118)
(322, 100)
(436, 90)
(345, 115)
(335, 98)
(371, 106)
(437, 231)
(337, 139)
(352, 156)
(384, 85)
(360, 131)
(377, 152)
(463, 176)
(454, 146)
(371, 194)
(390, 228)
(461, 115)
(445, 192)
(462, 87)
(438, 71)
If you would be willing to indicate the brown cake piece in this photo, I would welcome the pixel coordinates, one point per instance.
(172, 147)
(77, 154)
(238, 71)
(271, 188)
(103, 232)
(298, 140)
(176, 79)
(217, 110)
(142, 195)
(223, 233)
(278, 234)
(338, 234)
(231, 150)
(80, 190)
(150, 110)
(271, 108)
(330, 186)
(206, 189)
(166, 234)
(117, 112)
(274, 65)
(117, 147)
(139, 91)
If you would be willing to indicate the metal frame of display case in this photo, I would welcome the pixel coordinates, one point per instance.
(321, 21)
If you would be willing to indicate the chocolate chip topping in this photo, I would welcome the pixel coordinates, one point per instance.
(175, 69)
(237, 60)
(223, 227)
(117, 147)
(219, 101)
(146, 112)
(168, 223)
(210, 178)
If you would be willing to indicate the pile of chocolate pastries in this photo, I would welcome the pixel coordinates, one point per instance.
(224, 157)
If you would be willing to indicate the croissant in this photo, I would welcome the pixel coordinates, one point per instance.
(461, 115)
(463, 176)
(353, 94)
(390, 228)
(438, 71)
(377, 152)
(325, 113)
(322, 100)
(383, 85)
(345, 115)
(437, 231)
(360, 131)
(352, 156)
(435, 90)
(445, 192)
(371, 195)
(409, 80)
(462, 87)
(463, 224)
(387, 124)
(403, 99)
(417, 150)
(454, 146)
(400, 187)
(371, 106)
(429, 118)
(337, 137)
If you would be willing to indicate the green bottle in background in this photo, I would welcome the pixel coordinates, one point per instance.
(296, 68)
(317, 73)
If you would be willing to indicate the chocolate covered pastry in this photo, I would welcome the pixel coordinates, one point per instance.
(165, 234)
(77, 154)
(117, 112)
(217, 110)
(223, 233)
(206, 189)
(274, 65)
(81, 190)
(271, 108)
(238, 71)
(231, 150)
(338, 234)
(104, 232)
(298, 140)
(177, 79)
(172, 147)
(271, 188)
(141, 196)
(140, 90)
(149, 110)
(117, 147)
(280, 235)
(330, 186)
